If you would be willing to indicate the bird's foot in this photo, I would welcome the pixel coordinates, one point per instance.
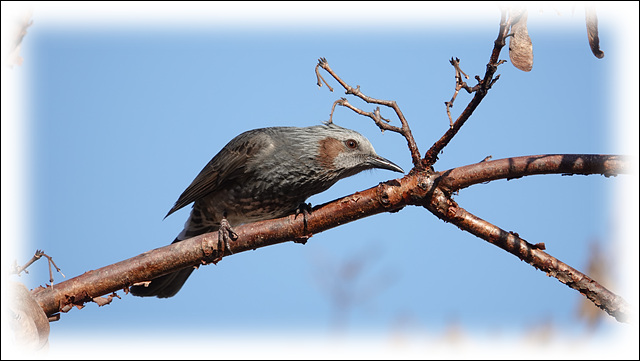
(304, 209)
(225, 234)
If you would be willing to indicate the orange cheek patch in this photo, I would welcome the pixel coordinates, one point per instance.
(328, 150)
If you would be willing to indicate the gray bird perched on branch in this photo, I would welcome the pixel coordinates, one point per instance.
(264, 174)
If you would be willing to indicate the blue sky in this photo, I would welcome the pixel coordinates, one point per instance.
(120, 116)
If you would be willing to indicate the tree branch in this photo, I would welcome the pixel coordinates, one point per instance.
(510, 168)
(404, 130)
(480, 90)
(446, 209)
(429, 189)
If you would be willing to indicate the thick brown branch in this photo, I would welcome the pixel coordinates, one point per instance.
(441, 205)
(427, 189)
(509, 168)
(446, 209)
(203, 249)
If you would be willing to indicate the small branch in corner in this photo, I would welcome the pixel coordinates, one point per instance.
(39, 254)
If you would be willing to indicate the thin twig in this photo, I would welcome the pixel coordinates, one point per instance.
(460, 84)
(321, 80)
(333, 107)
(480, 90)
(39, 253)
(35, 257)
(381, 122)
(50, 261)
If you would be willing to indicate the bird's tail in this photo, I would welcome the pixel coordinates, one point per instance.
(163, 286)
(169, 284)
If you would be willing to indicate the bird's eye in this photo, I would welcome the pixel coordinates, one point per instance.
(351, 144)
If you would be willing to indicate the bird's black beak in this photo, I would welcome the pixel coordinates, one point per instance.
(383, 163)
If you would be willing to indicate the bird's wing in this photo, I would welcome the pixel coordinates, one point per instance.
(225, 167)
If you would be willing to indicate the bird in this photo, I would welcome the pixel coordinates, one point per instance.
(264, 174)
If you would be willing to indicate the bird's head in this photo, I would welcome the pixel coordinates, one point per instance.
(348, 152)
